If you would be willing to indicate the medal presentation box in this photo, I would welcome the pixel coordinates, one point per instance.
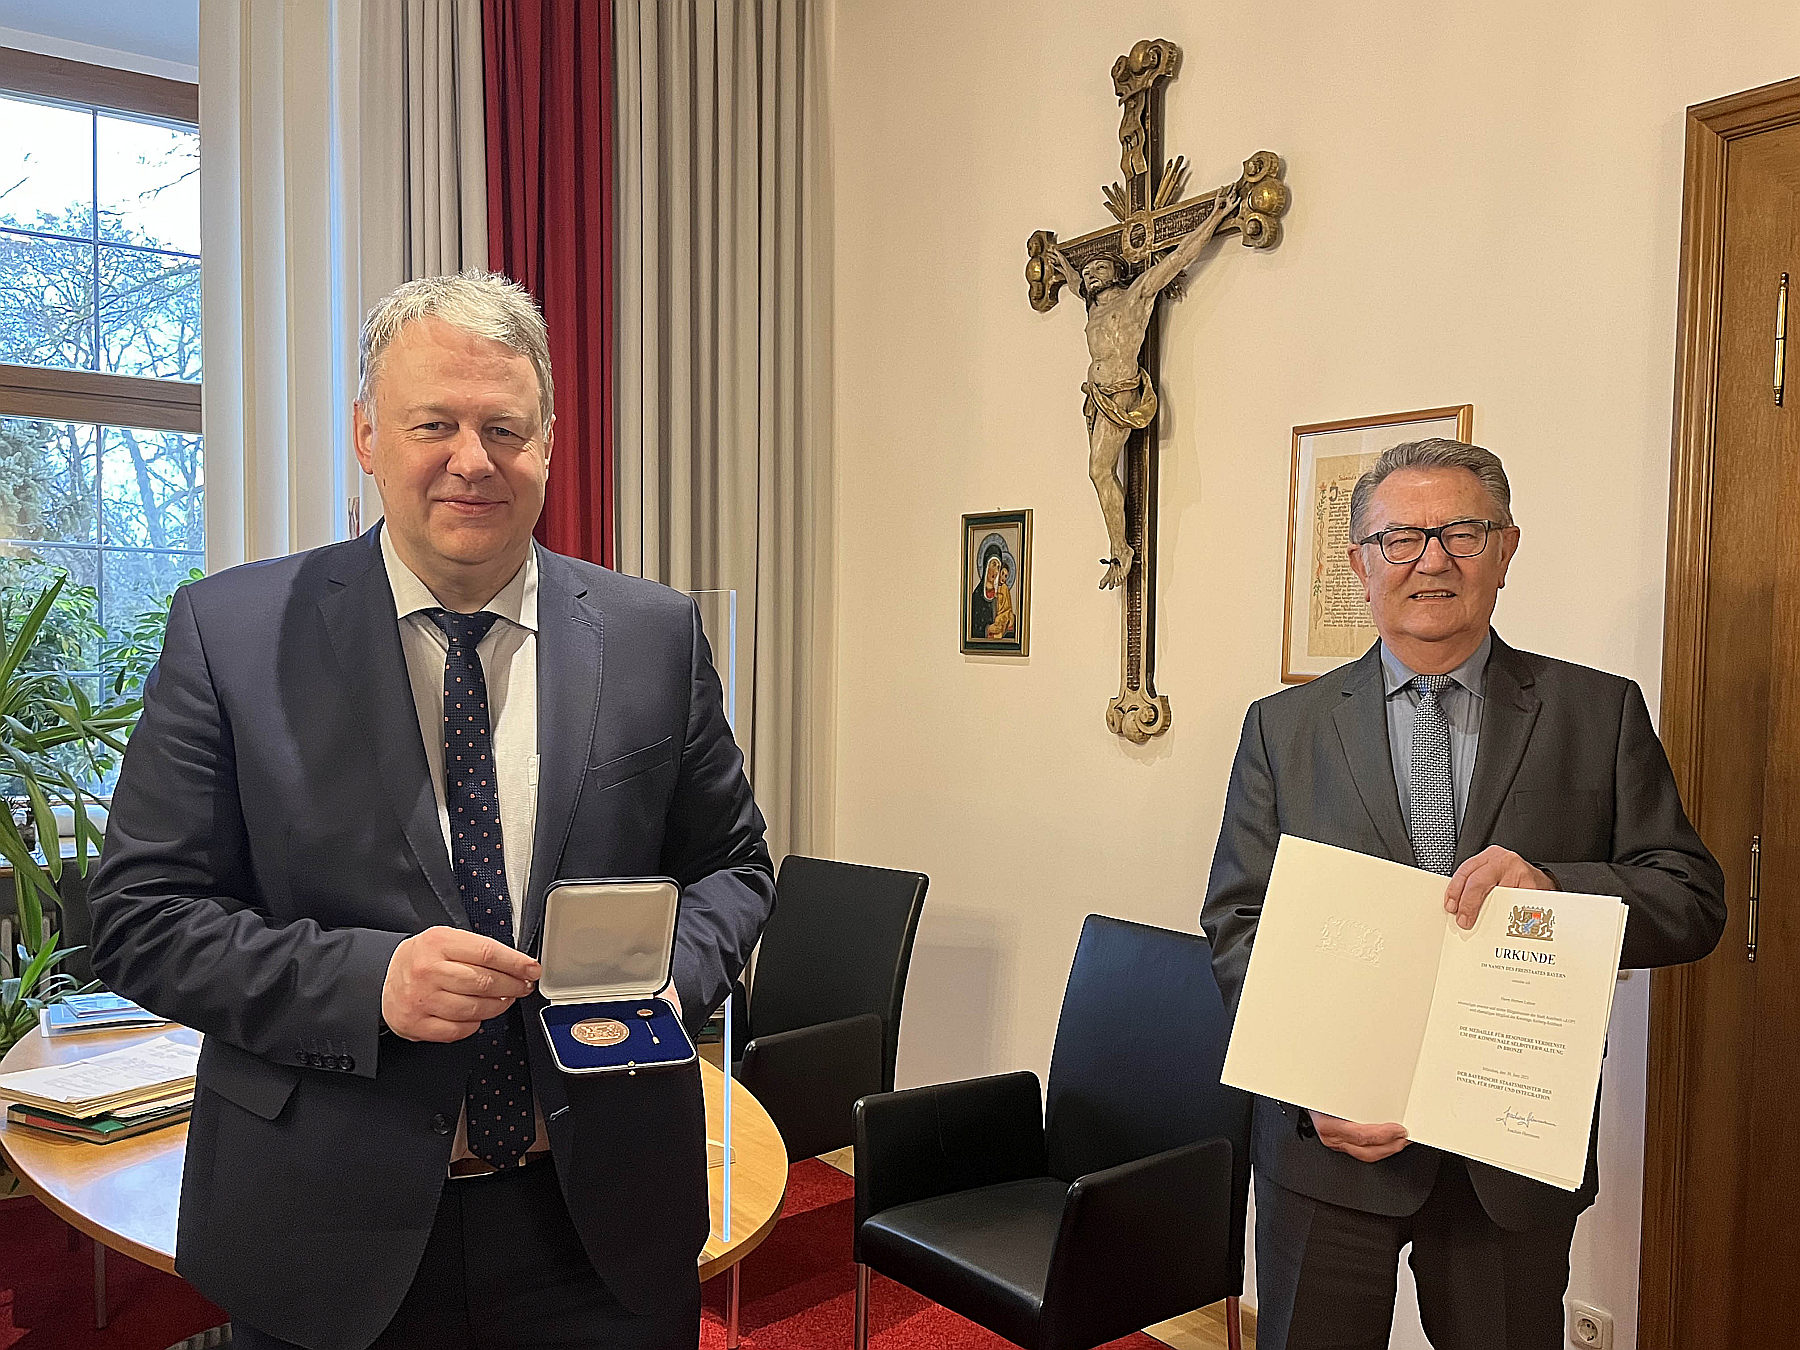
(609, 948)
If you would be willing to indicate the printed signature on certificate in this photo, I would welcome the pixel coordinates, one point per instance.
(1522, 1124)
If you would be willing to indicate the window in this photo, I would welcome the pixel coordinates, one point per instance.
(101, 468)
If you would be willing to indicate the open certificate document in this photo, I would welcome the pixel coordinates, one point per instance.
(1365, 1000)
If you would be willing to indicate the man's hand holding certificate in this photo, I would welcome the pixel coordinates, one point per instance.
(1365, 1000)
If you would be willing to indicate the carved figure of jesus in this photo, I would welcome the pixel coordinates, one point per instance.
(1119, 395)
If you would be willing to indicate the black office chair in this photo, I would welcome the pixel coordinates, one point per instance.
(824, 1011)
(1123, 1208)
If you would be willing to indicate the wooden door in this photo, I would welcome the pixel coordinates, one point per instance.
(1722, 1166)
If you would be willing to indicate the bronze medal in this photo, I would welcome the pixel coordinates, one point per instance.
(599, 1031)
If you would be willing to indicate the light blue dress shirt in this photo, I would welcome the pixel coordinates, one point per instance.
(1461, 701)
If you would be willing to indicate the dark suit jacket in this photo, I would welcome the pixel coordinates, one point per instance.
(1569, 775)
(275, 836)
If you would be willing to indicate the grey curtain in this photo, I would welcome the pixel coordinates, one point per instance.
(424, 150)
(724, 455)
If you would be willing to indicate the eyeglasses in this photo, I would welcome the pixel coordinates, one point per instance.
(1407, 543)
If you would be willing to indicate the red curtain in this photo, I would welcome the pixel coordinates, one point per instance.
(549, 94)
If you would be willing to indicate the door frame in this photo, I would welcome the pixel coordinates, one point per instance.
(1710, 128)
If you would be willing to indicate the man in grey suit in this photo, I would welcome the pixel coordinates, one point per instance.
(1444, 748)
(358, 772)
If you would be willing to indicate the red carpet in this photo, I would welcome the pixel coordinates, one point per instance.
(47, 1292)
(799, 1287)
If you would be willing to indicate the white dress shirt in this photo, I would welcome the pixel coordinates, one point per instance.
(509, 663)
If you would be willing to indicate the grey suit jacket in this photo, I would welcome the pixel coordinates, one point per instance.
(1569, 775)
(275, 836)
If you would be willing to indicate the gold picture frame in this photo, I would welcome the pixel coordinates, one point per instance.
(995, 609)
(1320, 627)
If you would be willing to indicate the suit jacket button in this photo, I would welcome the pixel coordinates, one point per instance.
(440, 1124)
(347, 1063)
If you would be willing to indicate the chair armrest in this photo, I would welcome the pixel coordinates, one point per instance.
(931, 1141)
(1143, 1242)
(808, 1080)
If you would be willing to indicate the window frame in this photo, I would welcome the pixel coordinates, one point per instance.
(54, 394)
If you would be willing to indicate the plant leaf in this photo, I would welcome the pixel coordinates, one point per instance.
(28, 631)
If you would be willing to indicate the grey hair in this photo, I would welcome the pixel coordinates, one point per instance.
(484, 304)
(1436, 453)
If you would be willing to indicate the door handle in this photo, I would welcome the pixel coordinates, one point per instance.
(1780, 337)
(1755, 891)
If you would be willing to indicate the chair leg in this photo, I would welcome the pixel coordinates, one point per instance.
(1234, 1324)
(862, 1307)
(733, 1283)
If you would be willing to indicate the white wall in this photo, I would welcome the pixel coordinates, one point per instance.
(1486, 209)
(152, 37)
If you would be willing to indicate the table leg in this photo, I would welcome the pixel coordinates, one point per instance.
(100, 1286)
(732, 1285)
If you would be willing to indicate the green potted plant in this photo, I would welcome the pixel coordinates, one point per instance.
(56, 743)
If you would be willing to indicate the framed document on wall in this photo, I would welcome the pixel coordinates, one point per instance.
(1327, 619)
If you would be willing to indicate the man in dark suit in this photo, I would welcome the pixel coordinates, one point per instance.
(357, 772)
(1443, 748)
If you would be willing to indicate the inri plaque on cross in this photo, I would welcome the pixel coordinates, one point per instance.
(1121, 272)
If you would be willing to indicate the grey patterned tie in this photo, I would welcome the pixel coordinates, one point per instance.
(1431, 797)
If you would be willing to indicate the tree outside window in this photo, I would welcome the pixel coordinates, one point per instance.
(101, 464)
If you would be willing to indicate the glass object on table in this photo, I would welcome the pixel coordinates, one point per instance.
(718, 621)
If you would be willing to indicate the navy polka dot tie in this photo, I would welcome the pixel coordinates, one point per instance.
(1430, 795)
(502, 1123)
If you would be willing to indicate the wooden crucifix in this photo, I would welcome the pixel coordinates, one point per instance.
(1121, 272)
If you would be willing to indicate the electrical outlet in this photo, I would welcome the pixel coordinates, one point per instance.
(1590, 1328)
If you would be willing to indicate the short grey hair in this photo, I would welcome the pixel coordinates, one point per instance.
(484, 304)
(1436, 453)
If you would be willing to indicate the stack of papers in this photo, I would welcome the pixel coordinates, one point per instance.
(95, 1012)
(109, 1097)
(108, 1126)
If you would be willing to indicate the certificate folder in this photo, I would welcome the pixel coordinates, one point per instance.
(1365, 1000)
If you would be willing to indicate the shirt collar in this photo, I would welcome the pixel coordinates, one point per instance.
(517, 601)
(1471, 674)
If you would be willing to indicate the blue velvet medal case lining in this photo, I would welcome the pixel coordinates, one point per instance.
(609, 947)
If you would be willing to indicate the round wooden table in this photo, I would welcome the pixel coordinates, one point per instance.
(124, 1195)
